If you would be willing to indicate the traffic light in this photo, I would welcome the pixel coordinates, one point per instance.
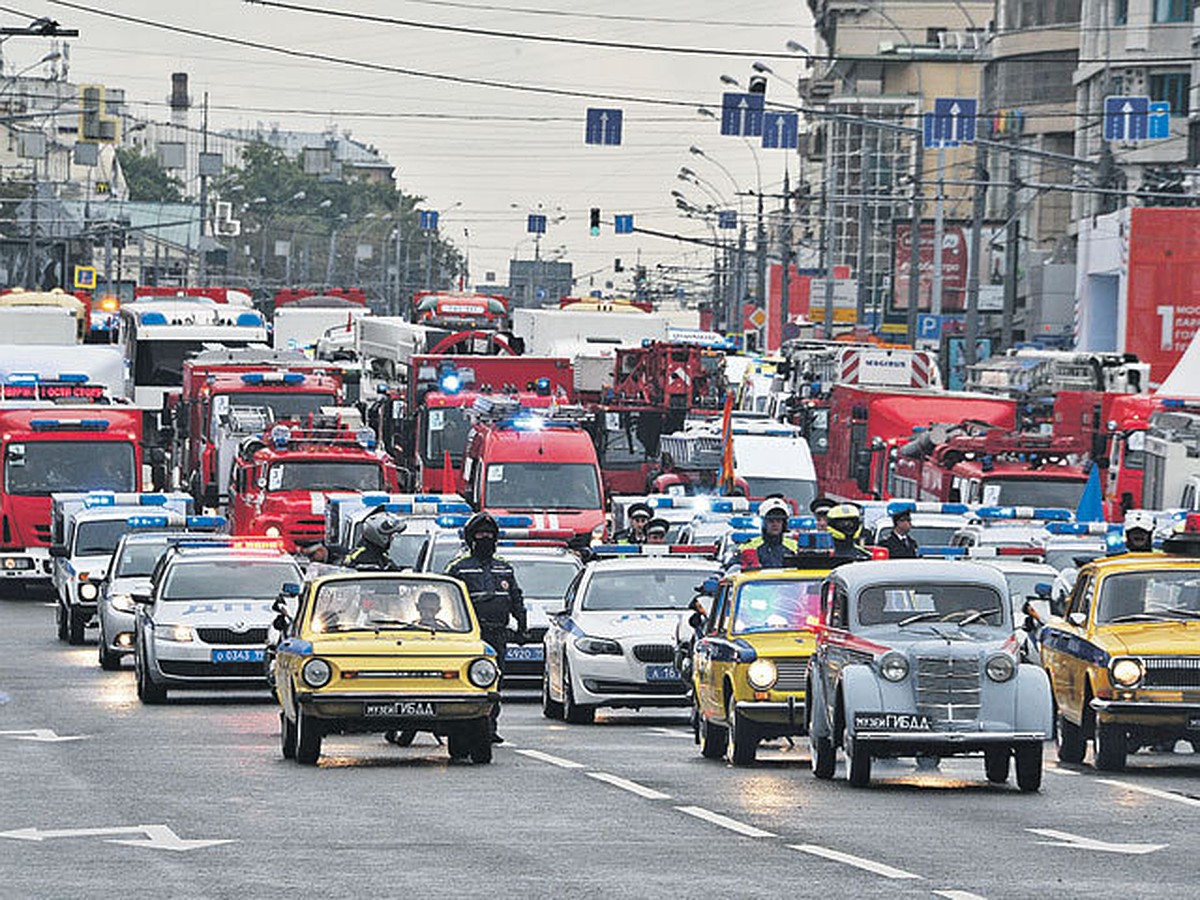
(595, 228)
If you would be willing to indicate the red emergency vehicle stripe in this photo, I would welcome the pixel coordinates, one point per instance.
(849, 641)
(850, 368)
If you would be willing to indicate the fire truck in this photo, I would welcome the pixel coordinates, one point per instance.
(48, 448)
(979, 464)
(229, 395)
(460, 311)
(545, 466)
(357, 296)
(280, 479)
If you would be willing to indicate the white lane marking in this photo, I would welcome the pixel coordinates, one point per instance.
(667, 732)
(1153, 792)
(958, 895)
(550, 758)
(700, 812)
(857, 861)
(1078, 842)
(632, 786)
(1059, 770)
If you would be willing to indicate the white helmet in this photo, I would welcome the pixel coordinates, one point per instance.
(774, 505)
(1139, 519)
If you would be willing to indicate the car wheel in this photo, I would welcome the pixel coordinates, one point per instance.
(402, 738)
(148, 692)
(459, 744)
(713, 739)
(76, 618)
(572, 711)
(995, 764)
(60, 621)
(1029, 767)
(287, 736)
(742, 745)
(1072, 745)
(481, 743)
(1110, 747)
(824, 756)
(695, 723)
(858, 761)
(308, 738)
(551, 708)
(109, 661)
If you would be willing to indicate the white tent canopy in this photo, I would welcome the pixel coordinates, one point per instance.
(1184, 380)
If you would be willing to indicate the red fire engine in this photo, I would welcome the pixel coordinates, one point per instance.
(282, 477)
(288, 295)
(46, 449)
(460, 312)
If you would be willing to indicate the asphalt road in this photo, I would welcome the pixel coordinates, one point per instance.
(623, 808)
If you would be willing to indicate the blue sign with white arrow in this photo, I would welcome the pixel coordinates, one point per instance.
(727, 218)
(623, 224)
(536, 224)
(780, 131)
(742, 114)
(604, 126)
(1160, 121)
(427, 219)
(954, 120)
(1126, 118)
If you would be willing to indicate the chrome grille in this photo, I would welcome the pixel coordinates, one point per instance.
(948, 687)
(1172, 672)
(654, 653)
(792, 673)
(229, 636)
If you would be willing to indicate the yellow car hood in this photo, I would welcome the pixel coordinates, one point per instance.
(780, 643)
(1180, 638)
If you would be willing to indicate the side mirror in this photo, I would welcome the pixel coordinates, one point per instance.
(710, 586)
(141, 599)
(697, 620)
(59, 551)
(1077, 619)
(281, 623)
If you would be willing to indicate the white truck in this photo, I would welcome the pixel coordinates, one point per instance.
(385, 345)
(92, 364)
(39, 325)
(302, 324)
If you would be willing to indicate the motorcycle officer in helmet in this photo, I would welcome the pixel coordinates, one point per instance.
(493, 589)
(844, 523)
(371, 555)
(1139, 531)
(770, 549)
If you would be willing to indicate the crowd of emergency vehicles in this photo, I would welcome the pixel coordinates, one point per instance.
(690, 527)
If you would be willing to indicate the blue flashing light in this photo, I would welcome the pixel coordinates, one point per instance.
(454, 508)
(43, 424)
(543, 386)
(1051, 514)
(996, 512)
(1172, 403)
(147, 521)
(898, 506)
(152, 500)
(405, 508)
(205, 522)
(94, 424)
(428, 498)
(376, 499)
(743, 537)
(802, 523)
(252, 378)
(515, 521)
(153, 317)
(73, 377)
(97, 500)
(293, 378)
(1082, 528)
(722, 506)
(280, 435)
(23, 378)
(1046, 513)
(249, 320)
(942, 551)
(452, 521)
(528, 423)
(451, 383)
(616, 550)
(955, 509)
(815, 540)
(740, 522)
(365, 438)
(662, 502)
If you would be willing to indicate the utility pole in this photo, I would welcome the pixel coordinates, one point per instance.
(31, 263)
(830, 183)
(864, 229)
(978, 202)
(760, 246)
(914, 234)
(1011, 253)
(939, 233)
(202, 274)
(785, 258)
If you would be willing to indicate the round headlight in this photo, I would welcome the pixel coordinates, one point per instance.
(88, 591)
(1126, 672)
(272, 531)
(316, 673)
(1000, 667)
(761, 674)
(483, 673)
(894, 666)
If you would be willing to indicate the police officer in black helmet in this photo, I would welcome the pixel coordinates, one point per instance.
(371, 554)
(493, 587)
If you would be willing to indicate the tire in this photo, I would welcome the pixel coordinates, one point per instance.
(858, 762)
(308, 738)
(287, 736)
(1029, 767)
(76, 619)
(713, 739)
(148, 692)
(1072, 745)
(573, 712)
(60, 621)
(995, 764)
(1110, 746)
(402, 738)
(459, 744)
(551, 709)
(824, 756)
(742, 743)
(109, 661)
(481, 743)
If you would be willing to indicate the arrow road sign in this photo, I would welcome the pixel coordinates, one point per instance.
(742, 114)
(623, 224)
(41, 735)
(929, 136)
(158, 837)
(537, 224)
(727, 218)
(1126, 118)
(604, 126)
(780, 131)
(955, 120)
(427, 219)
(1066, 839)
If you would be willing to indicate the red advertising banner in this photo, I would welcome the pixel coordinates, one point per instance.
(954, 267)
(1162, 311)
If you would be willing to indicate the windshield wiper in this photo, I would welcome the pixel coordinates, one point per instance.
(919, 617)
(1138, 617)
(977, 614)
(402, 626)
(1181, 611)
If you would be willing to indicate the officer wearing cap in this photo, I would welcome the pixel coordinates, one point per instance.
(900, 544)
(639, 516)
(819, 508)
(656, 531)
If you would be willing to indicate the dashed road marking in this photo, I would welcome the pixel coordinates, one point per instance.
(957, 895)
(1059, 770)
(551, 758)
(667, 732)
(632, 786)
(700, 812)
(858, 862)
(1153, 792)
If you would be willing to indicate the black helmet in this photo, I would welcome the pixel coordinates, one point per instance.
(379, 528)
(481, 521)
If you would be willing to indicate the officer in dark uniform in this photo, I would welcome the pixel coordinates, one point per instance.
(371, 555)
(900, 544)
(639, 516)
(820, 508)
(493, 588)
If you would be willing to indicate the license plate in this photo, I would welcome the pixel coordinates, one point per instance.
(407, 709)
(249, 654)
(662, 673)
(525, 654)
(873, 721)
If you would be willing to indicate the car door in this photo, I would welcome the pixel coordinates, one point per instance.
(709, 651)
(557, 633)
(828, 656)
(1068, 657)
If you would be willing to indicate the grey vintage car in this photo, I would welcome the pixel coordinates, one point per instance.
(920, 658)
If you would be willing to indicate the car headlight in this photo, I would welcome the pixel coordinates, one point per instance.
(272, 531)
(894, 666)
(761, 674)
(180, 634)
(123, 602)
(482, 673)
(316, 673)
(594, 646)
(1000, 667)
(1126, 672)
(88, 591)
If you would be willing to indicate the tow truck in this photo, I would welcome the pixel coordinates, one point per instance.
(281, 478)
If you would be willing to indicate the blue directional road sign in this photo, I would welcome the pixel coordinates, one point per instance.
(427, 219)
(537, 224)
(1126, 118)
(623, 224)
(727, 218)
(929, 327)
(954, 120)
(780, 131)
(604, 126)
(742, 114)
(929, 136)
(1160, 121)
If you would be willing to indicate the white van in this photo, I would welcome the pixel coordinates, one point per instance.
(775, 459)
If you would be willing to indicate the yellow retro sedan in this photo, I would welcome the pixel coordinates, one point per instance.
(384, 652)
(750, 666)
(1123, 656)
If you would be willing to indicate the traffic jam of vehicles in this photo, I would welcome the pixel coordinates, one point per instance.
(393, 527)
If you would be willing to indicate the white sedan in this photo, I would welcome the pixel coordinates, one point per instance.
(613, 644)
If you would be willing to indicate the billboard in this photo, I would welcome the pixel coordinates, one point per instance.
(954, 267)
(1162, 310)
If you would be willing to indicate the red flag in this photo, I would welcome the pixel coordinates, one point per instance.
(448, 485)
(727, 480)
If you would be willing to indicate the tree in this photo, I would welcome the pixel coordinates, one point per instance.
(146, 179)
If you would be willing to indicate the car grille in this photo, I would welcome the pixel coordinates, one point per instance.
(229, 636)
(654, 653)
(306, 530)
(1172, 672)
(209, 670)
(792, 673)
(948, 687)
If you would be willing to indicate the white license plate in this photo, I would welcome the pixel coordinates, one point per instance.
(407, 709)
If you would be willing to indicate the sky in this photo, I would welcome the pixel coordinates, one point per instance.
(485, 157)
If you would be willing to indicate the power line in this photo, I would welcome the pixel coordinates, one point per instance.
(602, 17)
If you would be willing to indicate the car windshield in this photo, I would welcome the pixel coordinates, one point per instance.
(38, 468)
(446, 428)
(1164, 593)
(1032, 492)
(777, 605)
(443, 553)
(540, 486)
(892, 604)
(325, 475)
(286, 404)
(543, 579)
(376, 604)
(228, 579)
(96, 538)
(159, 362)
(405, 548)
(643, 590)
(137, 560)
(802, 491)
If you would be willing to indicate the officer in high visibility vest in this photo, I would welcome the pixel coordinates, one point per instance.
(772, 547)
